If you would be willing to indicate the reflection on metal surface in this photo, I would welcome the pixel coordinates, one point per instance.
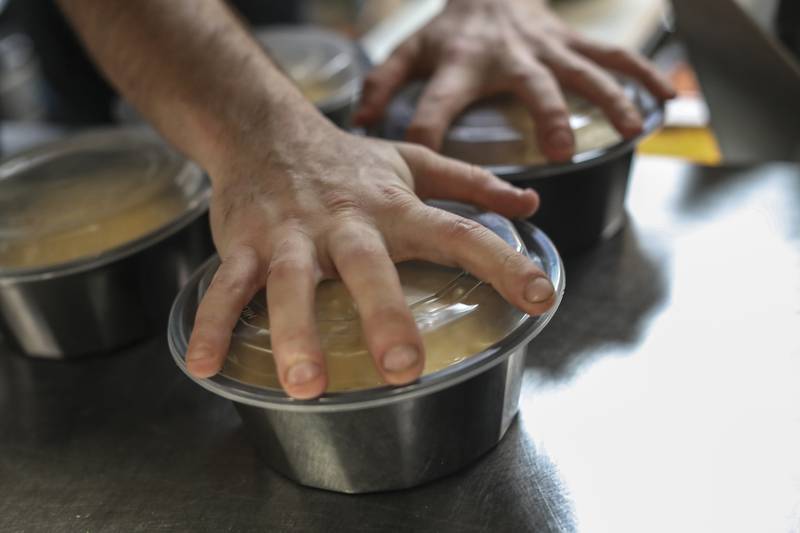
(662, 397)
(692, 424)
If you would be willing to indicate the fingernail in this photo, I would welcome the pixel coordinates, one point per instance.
(539, 290)
(560, 139)
(400, 358)
(302, 372)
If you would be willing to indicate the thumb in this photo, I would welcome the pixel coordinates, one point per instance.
(438, 177)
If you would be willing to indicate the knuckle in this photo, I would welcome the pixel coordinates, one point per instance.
(389, 313)
(395, 197)
(477, 174)
(436, 95)
(552, 113)
(522, 76)
(235, 284)
(424, 127)
(372, 82)
(288, 267)
(354, 244)
(206, 331)
(619, 55)
(420, 153)
(461, 229)
(514, 262)
(618, 102)
(361, 252)
(516, 266)
(244, 255)
(340, 203)
(577, 74)
(286, 340)
(461, 50)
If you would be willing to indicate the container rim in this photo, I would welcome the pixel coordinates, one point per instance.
(652, 120)
(650, 107)
(348, 92)
(537, 243)
(196, 207)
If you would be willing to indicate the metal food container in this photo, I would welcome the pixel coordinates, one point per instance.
(385, 438)
(327, 67)
(583, 200)
(98, 232)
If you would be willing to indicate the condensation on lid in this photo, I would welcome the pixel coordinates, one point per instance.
(89, 193)
(323, 64)
(500, 131)
(457, 315)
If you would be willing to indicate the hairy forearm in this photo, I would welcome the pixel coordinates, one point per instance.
(191, 68)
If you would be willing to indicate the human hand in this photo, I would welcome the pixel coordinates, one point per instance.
(475, 48)
(321, 203)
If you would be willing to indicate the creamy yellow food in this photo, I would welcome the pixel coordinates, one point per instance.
(501, 131)
(457, 316)
(52, 221)
(317, 91)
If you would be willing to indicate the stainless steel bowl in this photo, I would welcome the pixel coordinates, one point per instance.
(99, 303)
(385, 438)
(316, 56)
(583, 200)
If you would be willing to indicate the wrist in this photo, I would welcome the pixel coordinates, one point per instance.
(253, 121)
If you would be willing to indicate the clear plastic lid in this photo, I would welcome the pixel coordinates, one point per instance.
(500, 132)
(465, 325)
(91, 193)
(324, 65)
(457, 315)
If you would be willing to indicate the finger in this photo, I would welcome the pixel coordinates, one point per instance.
(383, 81)
(452, 88)
(599, 87)
(536, 87)
(626, 62)
(238, 278)
(291, 284)
(451, 239)
(443, 178)
(389, 329)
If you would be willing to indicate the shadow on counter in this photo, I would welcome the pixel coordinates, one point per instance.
(611, 292)
(512, 488)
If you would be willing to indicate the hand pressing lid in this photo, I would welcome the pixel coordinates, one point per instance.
(457, 315)
(499, 131)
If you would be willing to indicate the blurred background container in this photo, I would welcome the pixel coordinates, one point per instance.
(44, 77)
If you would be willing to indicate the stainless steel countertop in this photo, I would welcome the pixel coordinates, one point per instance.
(664, 396)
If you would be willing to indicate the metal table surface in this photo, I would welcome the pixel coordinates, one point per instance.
(664, 396)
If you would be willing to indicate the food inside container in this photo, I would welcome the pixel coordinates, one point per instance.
(362, 435)
(98, 232)
(84, 197)
(457, 315)
(582, 200)
(500, 131)
(325, 66)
